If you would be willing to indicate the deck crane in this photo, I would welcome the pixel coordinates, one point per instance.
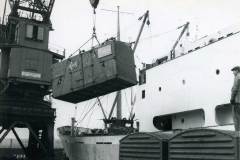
(185, 28)
(121, 122)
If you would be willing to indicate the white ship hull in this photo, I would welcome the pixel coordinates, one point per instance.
(192, 86)
(91, 147)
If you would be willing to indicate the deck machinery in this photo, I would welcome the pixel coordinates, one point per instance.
(25, 76)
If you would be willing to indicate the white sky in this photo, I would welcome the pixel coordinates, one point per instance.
(72, 22)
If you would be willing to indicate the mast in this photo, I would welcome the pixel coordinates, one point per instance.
(119, 94)
(118, 24)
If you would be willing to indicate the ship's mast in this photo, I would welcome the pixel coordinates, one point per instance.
(119, 94)
(118, 24)
(118, 99)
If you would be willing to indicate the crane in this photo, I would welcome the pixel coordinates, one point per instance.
(24, 83)
(41, 7)
(185, 28)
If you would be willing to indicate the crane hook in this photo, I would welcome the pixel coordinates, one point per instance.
(94, 3)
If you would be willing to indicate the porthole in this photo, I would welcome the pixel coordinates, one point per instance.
(217, 71)
(160, 89)
(183, 82)
(143, 94)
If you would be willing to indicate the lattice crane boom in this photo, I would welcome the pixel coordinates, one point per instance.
(42, 8)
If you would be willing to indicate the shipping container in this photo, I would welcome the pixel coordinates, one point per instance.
(205, 144)
(104, 69)
(147, 146)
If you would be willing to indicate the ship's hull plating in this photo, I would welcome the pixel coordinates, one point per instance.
(91, 147)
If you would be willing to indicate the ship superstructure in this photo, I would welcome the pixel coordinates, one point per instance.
(169, 89)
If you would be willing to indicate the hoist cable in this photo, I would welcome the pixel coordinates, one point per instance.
(94, 35)
(88, 112)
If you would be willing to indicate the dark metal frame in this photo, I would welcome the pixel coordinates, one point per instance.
(38, 117)
(33, 7)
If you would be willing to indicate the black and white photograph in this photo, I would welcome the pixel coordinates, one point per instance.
(119, 80)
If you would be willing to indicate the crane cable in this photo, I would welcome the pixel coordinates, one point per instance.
(92, 107)
(94, 36)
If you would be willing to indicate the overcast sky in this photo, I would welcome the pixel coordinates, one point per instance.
(73, 21)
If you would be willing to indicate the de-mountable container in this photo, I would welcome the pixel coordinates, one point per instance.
(205, 144)
(107, 68)
(147, 146)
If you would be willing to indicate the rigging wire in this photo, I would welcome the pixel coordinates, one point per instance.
(94, 36)
(128, 27)
(90, 116)
(156, 36)
(159, 34)
(79, 49)
(87, 105)
(86, 108)
(114, 35)
(87, 112)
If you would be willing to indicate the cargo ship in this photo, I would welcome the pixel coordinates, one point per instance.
(167, 100)
(104, 69)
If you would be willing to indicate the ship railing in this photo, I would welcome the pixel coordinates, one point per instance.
(209, 39)
(189, 47)
(65, 130)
